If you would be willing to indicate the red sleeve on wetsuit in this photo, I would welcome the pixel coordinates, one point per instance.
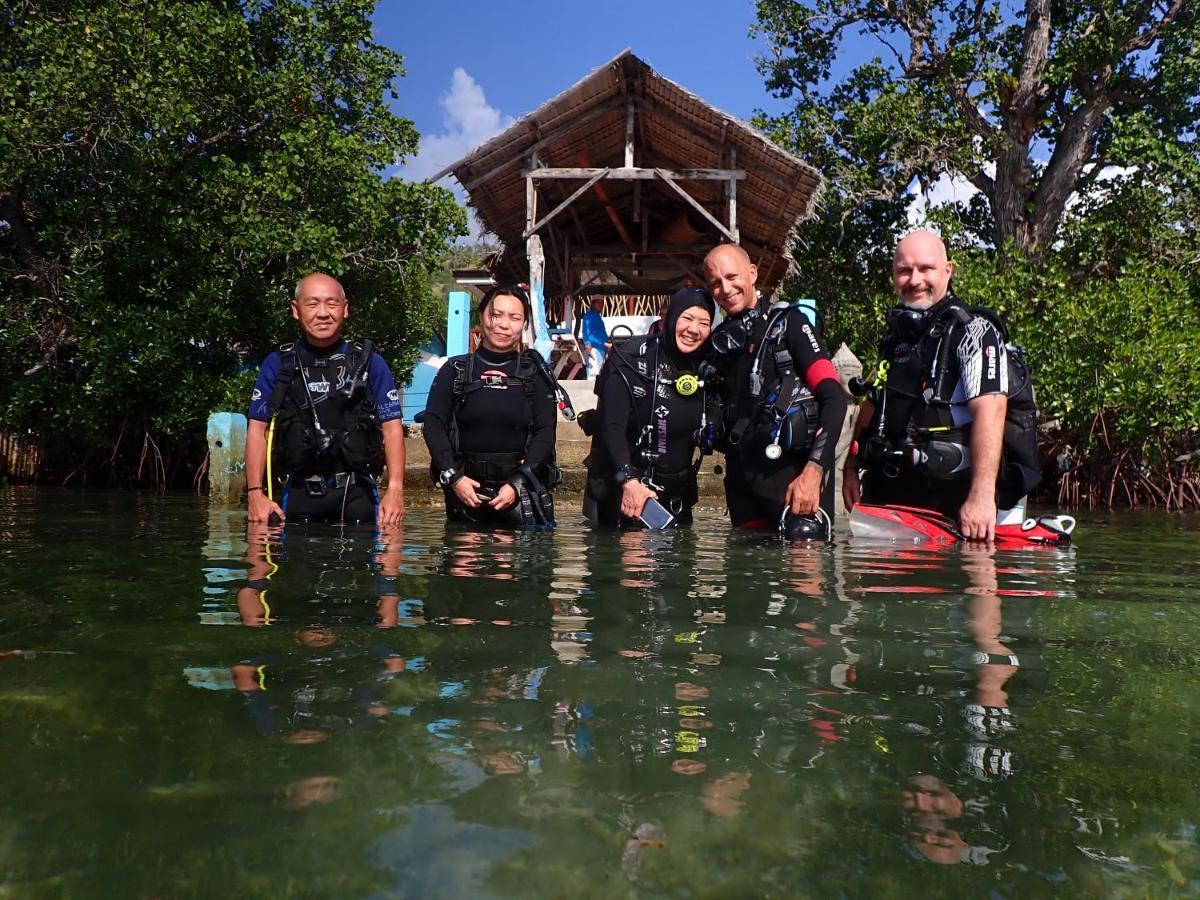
(818, 371)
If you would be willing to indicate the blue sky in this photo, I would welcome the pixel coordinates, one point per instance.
(515, 55)
(474, 67)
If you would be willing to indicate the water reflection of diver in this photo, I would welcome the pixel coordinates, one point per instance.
(261, 603)
(931, 809)
(654, 411)
(308, 697)
(490, 423)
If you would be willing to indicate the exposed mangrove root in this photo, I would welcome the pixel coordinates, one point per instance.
(1145, 473)
(201, 473)
(158, 468)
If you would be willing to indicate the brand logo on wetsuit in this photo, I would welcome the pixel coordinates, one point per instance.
(256, 394)
(318, 387)
(495, 379)
(812, 338)
(393, 394)
(990, 353)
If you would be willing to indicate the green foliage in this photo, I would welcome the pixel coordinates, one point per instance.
(1027, 103)
(167, 172)
(1095, 264)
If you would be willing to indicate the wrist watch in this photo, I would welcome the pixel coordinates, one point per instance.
(624, 474)
(447, 477)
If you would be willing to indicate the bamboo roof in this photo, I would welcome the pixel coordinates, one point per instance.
(585, 126)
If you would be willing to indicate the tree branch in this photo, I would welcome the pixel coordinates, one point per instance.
(1141, 41)
(1036, 42)
(1061, 177)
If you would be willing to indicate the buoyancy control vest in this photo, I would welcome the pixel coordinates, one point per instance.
(647, 372)
(495, 468)
(782, 414)
(326, 418)
(914, 389)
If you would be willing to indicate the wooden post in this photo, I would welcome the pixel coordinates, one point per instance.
(629, 133)
(731, 191)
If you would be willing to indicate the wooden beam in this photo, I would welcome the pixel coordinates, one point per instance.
(629, 132)
(635, 174)
(671, 249)
(530, 201)
(530, 228)
(603, 196)
(666, 177)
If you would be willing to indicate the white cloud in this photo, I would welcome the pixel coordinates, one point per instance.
(950, 189)
(946, 190)
(469, 120)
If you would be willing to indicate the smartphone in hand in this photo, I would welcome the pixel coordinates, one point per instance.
(655, 516)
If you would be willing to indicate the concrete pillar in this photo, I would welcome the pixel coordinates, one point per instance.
(226, 457)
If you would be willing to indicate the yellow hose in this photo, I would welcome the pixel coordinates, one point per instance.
(270, 444)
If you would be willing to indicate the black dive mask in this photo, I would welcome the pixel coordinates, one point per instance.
(731, 338)
(907, 324)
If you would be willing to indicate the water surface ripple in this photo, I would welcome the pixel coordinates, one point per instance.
(194, 709)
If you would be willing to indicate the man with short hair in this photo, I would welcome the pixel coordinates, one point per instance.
(783, 404)
(933, 434)
(329, 411)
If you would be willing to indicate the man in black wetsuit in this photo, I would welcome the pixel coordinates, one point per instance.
(331, 412)
(490, 423)
(783, 404)
(934, 436)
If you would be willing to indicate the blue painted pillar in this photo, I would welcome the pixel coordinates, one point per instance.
(537, 294)
(458, 324)
(808, 306)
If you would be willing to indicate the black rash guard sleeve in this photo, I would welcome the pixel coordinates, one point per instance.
(545, 424)
(813, 364)
(436, 422)
(616, 407)
(831, 418)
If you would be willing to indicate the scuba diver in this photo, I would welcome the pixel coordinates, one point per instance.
(324, 418)
(784, 406)
(949, 423)
(654, 411)
(490, 423)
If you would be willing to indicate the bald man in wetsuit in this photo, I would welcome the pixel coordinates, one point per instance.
(762, 352)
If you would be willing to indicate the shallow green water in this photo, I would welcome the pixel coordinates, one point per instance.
(187, 713)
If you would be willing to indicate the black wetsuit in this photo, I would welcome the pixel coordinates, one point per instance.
(755, 485)
(936, 362)
(646, 424)
(500, 416)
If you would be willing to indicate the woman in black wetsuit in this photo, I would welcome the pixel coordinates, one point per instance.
(652, 411)
(490, 423)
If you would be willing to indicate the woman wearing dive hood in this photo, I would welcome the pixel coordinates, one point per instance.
(490, 423)
(653, 413)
